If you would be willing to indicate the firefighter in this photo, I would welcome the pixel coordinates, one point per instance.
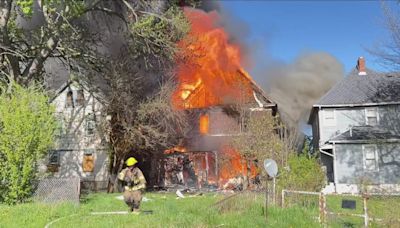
(135, 184)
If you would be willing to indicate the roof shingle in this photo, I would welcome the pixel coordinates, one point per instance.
(363, 89)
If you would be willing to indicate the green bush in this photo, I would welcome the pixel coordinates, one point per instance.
(27, 126)
(304, 173)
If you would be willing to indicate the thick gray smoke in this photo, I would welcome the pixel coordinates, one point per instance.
(298, 85)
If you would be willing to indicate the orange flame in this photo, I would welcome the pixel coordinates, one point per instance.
(212, 73)
(204, 124)
(235, 165)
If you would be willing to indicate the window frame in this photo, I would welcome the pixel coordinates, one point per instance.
(90, 118)
(324, 117)
(80, 97)
(89, 153)
(367, 116)
(50, 154)
(375, 149)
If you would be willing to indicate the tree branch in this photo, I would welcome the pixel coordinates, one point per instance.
(5, 12)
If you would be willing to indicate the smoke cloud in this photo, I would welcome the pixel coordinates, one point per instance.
(298, 85)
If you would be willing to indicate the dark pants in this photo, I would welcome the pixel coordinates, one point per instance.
(133, 199)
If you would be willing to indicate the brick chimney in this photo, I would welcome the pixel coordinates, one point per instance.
(361, 66)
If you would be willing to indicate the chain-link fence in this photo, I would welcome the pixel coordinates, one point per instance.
(51, 190)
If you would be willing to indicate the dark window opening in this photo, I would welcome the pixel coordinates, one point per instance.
(54, 157)
(80, 99)
(54, 161)
(70, 99)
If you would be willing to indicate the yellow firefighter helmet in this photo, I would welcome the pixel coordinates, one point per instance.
(131, 161)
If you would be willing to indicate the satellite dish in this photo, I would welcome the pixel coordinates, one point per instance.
(271, 167)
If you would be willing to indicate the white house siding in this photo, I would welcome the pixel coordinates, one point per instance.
(74, 141)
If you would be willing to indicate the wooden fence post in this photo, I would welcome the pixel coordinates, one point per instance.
(266, 198)
(322, 208)
(366, 218)
(283, 198)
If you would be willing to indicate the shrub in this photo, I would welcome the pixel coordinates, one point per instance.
(27, 125)
(304, 173)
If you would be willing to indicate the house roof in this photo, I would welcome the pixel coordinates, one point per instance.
(362, 90)
(67, 84)
(373, 88)
(365, 134)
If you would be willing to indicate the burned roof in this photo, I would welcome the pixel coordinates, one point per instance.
(372, 88)
(365, 133)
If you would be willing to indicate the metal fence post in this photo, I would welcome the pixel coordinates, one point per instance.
(283, 198)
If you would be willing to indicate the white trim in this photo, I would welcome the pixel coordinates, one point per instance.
(335, 177)
(376, 158)
(258, 101)
(326, 153)
(324, 112)
(376, 114)
(364, 141)
(355, 105)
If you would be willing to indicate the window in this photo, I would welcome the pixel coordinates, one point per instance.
(88, 161)
(70, 99)
(371, 116)
(54, 157)
(329, 117)
(204, 124)
(90, 124)
(370, 158)
(59, 132)
(80, 98)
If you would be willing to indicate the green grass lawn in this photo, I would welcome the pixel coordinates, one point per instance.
(245, 210)
(384, 207)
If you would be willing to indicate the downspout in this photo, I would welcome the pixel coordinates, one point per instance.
(334, 167)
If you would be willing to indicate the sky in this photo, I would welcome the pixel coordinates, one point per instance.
(283, 30)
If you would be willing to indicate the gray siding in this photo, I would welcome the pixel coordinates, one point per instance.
(388, 116)
(344, 118)
(350, 164)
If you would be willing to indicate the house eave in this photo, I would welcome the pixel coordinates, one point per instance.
(355, 105)
(370, 141)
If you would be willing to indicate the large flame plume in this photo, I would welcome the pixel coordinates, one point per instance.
(211, 73)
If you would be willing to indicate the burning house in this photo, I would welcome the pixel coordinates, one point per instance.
(213, 88)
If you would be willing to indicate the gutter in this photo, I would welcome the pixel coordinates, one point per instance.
(370, 141)
(326, 153)
(355, 105)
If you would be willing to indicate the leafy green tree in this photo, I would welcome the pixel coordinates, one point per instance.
(27, 126)
(303, 173)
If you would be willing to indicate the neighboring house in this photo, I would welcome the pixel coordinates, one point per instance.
(356, 129)
(81, 149)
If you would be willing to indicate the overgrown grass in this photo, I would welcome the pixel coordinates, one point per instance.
(379, 207)
(383, 209)
(200, 211)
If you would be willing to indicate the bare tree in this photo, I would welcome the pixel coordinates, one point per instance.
(388, 51)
